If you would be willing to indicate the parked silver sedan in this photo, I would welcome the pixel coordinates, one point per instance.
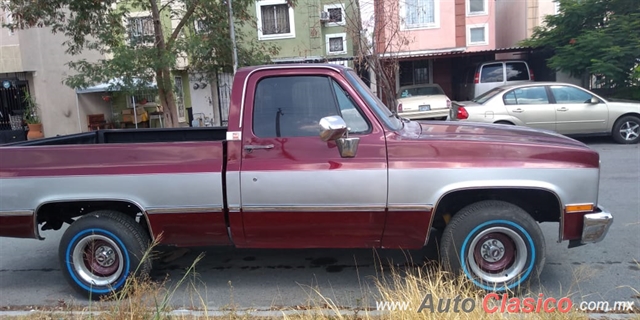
(560, 107)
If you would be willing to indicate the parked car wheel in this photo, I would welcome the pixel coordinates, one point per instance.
(100, 250)
(627, 130)
(495, 244)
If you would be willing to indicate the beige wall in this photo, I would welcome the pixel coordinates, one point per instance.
(10, 60)
(42, 52)
(517, 19)
(511, 27)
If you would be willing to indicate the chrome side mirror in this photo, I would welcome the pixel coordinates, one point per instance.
(334, 128)
(348, 147)
(594, 100)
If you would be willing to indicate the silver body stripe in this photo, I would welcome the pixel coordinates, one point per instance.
(202, 190)
(233, 190)
(314, 188)
(408, 188)
(427, 186)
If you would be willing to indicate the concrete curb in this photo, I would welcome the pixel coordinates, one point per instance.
(271, 313)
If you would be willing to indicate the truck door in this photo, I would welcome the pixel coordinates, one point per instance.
(296, 190)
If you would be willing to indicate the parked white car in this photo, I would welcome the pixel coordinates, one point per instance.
(423, 101)
(560, 107)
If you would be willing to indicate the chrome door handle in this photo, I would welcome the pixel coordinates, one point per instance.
(250, 147)
(562, 109)
(518, 110)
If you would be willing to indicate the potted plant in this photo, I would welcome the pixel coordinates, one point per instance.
(31, 117)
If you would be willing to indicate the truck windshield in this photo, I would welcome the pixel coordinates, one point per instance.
(383, 113)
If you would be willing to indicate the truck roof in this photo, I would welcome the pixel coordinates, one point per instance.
(295, 65)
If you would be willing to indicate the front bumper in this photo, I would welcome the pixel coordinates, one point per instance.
(595, 226)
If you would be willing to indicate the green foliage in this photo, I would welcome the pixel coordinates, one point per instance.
(593, 36)
(210, 48)
(101, 26)
(31, 108)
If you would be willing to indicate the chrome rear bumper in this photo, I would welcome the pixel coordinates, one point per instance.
(596, 226)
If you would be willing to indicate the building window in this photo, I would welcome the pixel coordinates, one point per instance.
(477, 34)
(141, 30)
(336, 15)
(200, 26)
(419, 14)
(476, 7)
(414, 72)
(275, 20)
(336, 43)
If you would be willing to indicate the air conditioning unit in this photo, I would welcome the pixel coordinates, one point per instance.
(324, 16)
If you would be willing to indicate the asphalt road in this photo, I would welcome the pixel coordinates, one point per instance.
(30, 272)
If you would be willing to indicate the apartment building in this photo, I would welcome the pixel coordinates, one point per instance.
(310, 31)
(435, 40)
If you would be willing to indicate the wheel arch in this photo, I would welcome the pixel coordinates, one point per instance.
(543, 204)
(632, 114)
(54, 213)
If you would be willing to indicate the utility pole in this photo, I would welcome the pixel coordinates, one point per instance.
(233, 37)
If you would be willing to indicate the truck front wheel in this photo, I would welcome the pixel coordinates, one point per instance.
(101, 250)
(497, 245)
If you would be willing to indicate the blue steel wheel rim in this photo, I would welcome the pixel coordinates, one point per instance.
(516, 279)
(81, 274)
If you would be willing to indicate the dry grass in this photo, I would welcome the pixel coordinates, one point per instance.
(146, 299)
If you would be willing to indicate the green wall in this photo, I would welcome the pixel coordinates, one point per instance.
(307, 21)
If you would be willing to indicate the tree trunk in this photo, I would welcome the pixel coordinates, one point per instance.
(167, 98)
(163, 73)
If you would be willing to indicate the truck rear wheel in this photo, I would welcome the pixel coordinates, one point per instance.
(495, 244)
(101, 250)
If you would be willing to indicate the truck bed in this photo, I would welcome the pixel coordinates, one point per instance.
(146, 135)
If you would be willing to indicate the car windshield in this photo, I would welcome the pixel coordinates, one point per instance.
(419, 91)
(481, 99)
(393, 122)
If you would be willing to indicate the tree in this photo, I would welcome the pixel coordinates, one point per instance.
(593, 37)
(379, 40)
(138, 58)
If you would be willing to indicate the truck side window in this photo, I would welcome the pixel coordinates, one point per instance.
(292, 106)
(349, 111)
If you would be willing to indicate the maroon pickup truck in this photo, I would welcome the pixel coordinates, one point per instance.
(310, 159)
